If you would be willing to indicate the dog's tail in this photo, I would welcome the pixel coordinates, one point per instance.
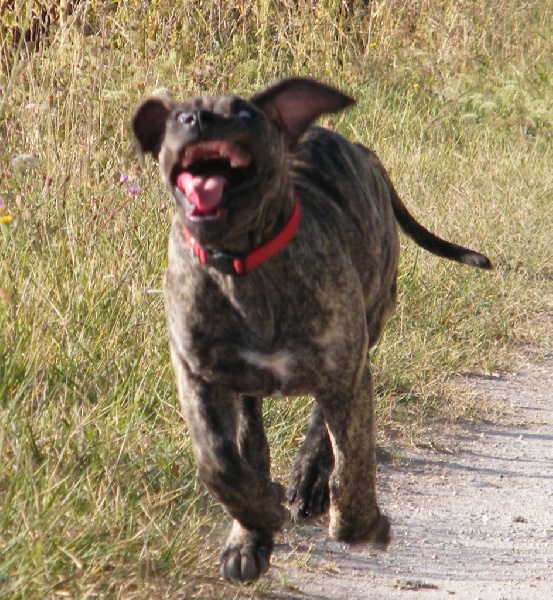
(420, 234)
(433, 243)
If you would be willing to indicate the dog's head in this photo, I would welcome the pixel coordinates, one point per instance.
(223, 158)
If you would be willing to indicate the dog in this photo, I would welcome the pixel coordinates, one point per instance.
(282, 272)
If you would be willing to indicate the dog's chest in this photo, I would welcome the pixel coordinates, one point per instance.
(263, 338)
(232, 345)
(224, 333)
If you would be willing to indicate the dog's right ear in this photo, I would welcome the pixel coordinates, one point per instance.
(148, 125)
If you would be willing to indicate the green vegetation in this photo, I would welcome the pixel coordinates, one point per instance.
(98, 491)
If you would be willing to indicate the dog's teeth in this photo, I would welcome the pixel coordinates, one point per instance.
(186, 159)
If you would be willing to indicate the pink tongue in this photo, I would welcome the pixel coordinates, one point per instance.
(205, 193)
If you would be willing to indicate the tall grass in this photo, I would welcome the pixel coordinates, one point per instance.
(98, 491)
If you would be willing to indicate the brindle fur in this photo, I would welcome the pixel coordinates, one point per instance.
(301, 323)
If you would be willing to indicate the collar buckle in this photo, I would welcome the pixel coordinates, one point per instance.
(227, 263)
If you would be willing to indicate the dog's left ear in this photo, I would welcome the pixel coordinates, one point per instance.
(296, 102)
(148, 124)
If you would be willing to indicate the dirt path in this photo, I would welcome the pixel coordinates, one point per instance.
(472, 515)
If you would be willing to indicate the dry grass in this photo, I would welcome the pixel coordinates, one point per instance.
(98, 490)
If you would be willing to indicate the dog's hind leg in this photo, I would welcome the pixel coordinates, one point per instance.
(307, 491)
(349, 416)
(225, 436)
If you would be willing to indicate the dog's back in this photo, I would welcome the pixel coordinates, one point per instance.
(350, 198)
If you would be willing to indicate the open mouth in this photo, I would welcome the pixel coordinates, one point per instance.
(205, 174)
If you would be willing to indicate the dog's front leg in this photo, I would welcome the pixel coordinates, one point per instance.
(223, 453)
(349, 416)
(247, 551)
(252, 441)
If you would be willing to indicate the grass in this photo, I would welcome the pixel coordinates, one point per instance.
(98, 490)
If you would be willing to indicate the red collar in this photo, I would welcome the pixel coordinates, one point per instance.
(238, 264)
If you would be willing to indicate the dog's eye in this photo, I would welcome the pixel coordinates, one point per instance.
(244, 114)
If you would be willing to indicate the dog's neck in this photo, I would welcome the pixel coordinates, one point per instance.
(272, 218)
(275, 237)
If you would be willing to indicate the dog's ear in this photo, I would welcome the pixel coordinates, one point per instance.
(148, 124)
(296, 102)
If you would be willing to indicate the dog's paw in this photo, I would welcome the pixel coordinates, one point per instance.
(247, 554)
(381, 534)
(308, 491)
(241, 563)
(375, 530)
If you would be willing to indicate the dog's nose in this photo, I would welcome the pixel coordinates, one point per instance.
(196, 120)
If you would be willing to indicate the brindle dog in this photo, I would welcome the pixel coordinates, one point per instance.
(282, 273)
